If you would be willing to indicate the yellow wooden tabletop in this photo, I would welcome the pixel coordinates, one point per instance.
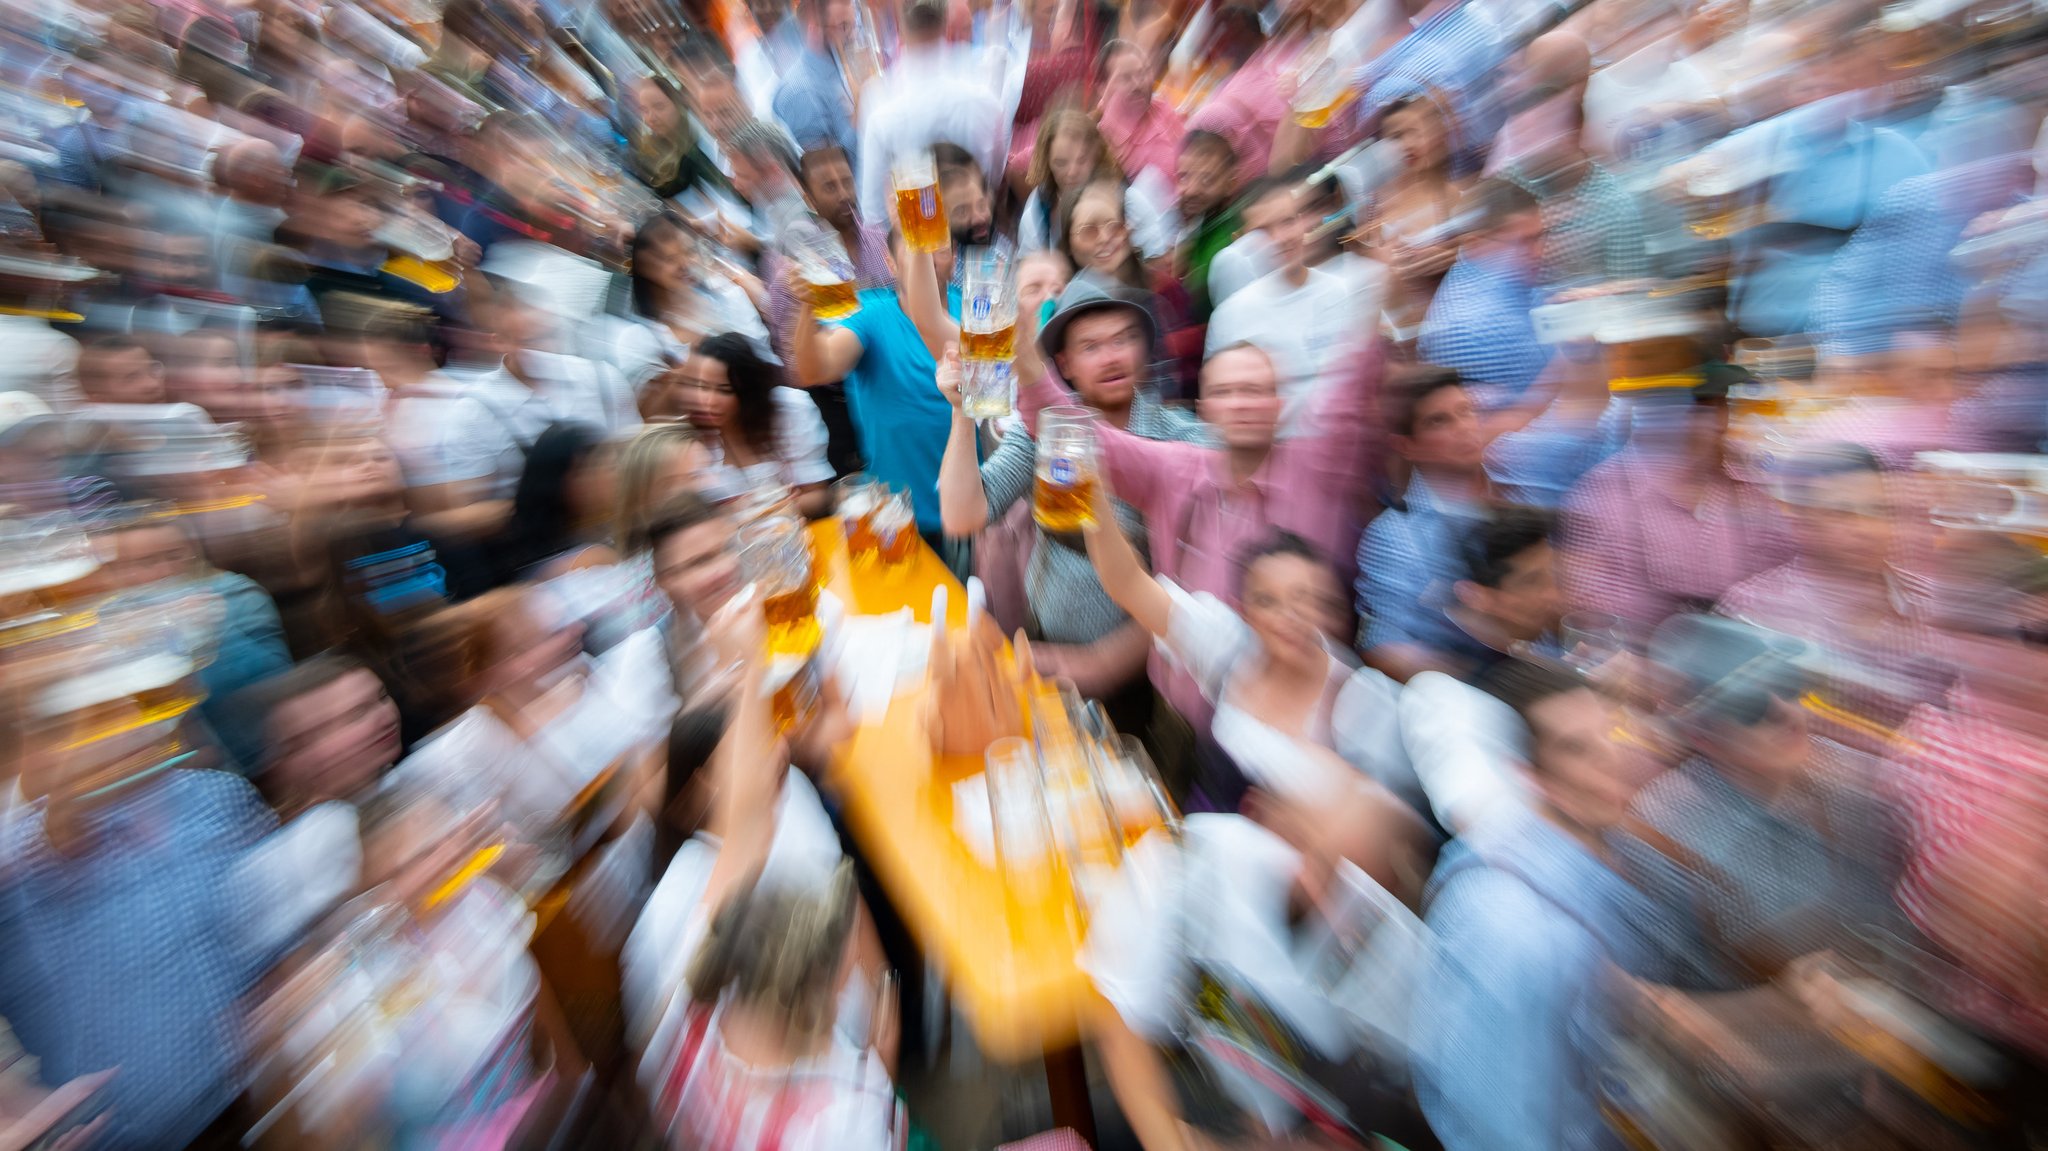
(1010, 959)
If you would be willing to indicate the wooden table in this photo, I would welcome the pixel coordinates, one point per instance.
(1011, 963)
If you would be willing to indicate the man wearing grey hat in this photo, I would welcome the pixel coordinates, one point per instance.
(1101, 339)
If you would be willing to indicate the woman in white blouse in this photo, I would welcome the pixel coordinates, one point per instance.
(756, 432)
(1281, 696)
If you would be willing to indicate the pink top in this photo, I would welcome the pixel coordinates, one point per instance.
(1199, 523)
(1144, 136)
(1247, 109)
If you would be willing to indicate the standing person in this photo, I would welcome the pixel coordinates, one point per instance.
(681, 294)
(1662, 527)
(1205, 187)
(1099, 339)
(1096, 237)
(1301, 316)
(562, 509)
(1143, 128)
(888, 371)
(929, 96)
(1204, 505)
(756, 433)
(1402, 227)
(1529, 916)
(1478, 321)
(1413, 552)
(1072, 153)
(815, 99)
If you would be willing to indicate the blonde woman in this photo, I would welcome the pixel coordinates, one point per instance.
(1071, 153)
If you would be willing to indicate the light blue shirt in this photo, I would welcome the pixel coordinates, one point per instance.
(1511, 1018)
(894, 397)
(1407, 562)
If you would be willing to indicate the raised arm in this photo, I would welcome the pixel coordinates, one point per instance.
(925, 301)
(1122, 573)
(963, 503)
(823, 355)
(750, 761)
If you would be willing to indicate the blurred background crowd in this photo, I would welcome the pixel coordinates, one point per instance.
(1551, 490)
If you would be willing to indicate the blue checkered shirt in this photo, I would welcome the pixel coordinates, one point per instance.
(1479, 326)
(137, 953)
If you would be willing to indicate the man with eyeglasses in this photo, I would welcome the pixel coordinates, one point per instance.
(1206, 505)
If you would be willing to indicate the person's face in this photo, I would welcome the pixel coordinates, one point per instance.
(1128, 80)
(1419, 134)
(334, 741)
(260, 176)
(149, 555)
(1527, 604)
(1202, 181)
(529, 649)
(678, 473)
(207, 371)
(836, 21)
(707, 393)
(1845, 521)
(353, 218)
(1580, 773)
(698, 569)
(1772, 748)
(1241, 398)
(1041, 276)
(1286, 600)
(665, 259)
(967, 210)
(655, 110)
(1283, 218)
(832, 190)
(1100, 240)
(1447, 432)
(355, 472)
(1104, 356)
(123, 376)
(1073, 159)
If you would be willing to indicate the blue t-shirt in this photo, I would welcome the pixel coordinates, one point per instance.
(894, 396)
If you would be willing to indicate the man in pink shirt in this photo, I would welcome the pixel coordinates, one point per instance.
(1142, 128)
(1205, 505)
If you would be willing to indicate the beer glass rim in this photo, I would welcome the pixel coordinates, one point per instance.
(915, 164)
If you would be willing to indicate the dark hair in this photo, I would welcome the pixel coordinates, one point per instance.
(1492, 547)
(1499, 201)
(692, 739)
(683, 511)
(1202, 138)
(1109, 51)
(816, 155)
(1415, 386)
(1524, 683)
(753, 383)
(924, 17)
(543, 524)
(1281, 543)
(1261, 187)
(952, 162)
(646, 294)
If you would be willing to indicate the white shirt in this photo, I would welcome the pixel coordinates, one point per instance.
(928, 96)
(581, 390)
(1463, 744)
(656, 959)
(1304, 329)
(799, 450)
(1212, 642)
(443, 433)
(618, 712)
(1220, 898)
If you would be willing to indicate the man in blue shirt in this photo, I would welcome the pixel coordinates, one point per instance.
(890, 382)
(1530, 921)
(815, 98)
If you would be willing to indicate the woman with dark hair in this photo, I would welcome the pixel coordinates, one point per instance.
(758, 433)
(562, 509)
(1270, 672)
(681, 294)
(1096, 238)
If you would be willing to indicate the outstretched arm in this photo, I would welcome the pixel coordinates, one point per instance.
(1122, 573)
(925, 301)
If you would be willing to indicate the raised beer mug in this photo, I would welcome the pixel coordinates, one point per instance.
(1063, 496)
(920, 211)
(828, 273)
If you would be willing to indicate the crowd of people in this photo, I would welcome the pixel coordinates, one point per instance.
(1569, 523)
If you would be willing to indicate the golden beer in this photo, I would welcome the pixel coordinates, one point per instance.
(1067, 507)
(1000, 344)
(921, 215)
(792, 686)
(862, 543)
(832, 299)
(1324, 110)
(897, 546)
(793, 620)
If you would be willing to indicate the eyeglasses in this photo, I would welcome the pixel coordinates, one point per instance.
(1098, 230)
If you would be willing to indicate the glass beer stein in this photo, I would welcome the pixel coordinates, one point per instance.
(1063, 495)
(920, 212)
